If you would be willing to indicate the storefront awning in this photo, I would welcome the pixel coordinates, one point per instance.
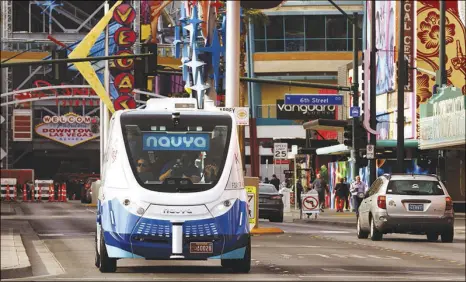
(325, 124)
(342, 149)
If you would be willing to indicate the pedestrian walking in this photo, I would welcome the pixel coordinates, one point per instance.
(275, 182)
(299, 188)
(321, 186)
(341, 192)
(348, 194)
(358, 190)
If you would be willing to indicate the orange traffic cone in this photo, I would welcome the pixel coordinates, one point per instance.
(64, 193)
(15, 194)
(32, 194)
(39, 194)
(25, 193)
(7, 196)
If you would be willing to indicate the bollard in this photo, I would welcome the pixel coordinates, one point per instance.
(64, 193)
(25, 193)
(7, 195)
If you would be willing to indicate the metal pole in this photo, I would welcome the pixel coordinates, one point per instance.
(295, 183)
(400, 148)
(443, 77)
(103, 107)
(355, 86)
(232, 54)
(372, 93)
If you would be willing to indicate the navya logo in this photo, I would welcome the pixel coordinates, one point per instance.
(176, 142)
(175, 211)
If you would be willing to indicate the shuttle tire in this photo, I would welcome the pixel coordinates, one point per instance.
(240, 265)
(97, 256)
(106, 264)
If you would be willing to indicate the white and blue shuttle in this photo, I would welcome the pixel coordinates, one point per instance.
(173, 187)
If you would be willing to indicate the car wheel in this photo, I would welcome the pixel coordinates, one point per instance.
(374, 233)
(447, 235)
(361, 234)
(432, 237)
(83, 196)
(106, 264)
(97, 256)
(240, 265)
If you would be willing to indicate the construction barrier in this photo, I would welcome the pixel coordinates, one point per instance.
(51, 193)
(41, 188)
(8, 186)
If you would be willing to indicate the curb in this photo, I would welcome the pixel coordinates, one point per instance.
(90, 205)
(267, 230)
(326, 222)
(24, 269)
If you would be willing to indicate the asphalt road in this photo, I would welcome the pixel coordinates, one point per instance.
(59, 241)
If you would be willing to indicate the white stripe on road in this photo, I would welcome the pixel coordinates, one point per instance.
(67, 234)
(375, 278)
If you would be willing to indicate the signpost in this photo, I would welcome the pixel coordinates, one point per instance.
(370, 152)
(310, 203)
(280, 150)
(252, 206)
(321, 100)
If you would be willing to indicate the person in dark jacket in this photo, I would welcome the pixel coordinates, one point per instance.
(347, 197)
(340, 194)
(299, 190)
(275, 182)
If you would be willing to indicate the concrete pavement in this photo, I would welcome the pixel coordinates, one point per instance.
(14, 259)
(59, 239)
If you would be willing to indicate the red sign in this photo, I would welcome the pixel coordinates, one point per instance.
(124, 102)
(280, 161)
(124, 37)
(310, 203)
(124, 63)
(124, 14)
(124, 82)
(22, 125)
(59, 92)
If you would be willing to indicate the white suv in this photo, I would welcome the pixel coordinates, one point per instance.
(406, 203)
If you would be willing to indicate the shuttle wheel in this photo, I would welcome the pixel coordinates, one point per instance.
(97, 256)
(106, 264)
(240, 265)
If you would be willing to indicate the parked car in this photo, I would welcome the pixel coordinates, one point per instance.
(85, 190)
(406, 203)
(270, 203)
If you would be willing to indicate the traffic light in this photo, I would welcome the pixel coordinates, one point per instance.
(140, 78)
(150, 63)
(362, 135)
(59, 70)
(404, 79)
(348, 135)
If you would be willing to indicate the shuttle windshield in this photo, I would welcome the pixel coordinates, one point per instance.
(176, 154)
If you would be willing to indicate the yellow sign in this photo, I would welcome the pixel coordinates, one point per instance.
(85, 68)
(253, 207)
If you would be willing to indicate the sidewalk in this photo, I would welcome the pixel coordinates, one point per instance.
(348, 219)
(14, 260)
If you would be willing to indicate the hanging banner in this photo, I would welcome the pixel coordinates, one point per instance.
(408, 38)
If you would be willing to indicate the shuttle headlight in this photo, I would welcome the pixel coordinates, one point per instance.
(222, 207)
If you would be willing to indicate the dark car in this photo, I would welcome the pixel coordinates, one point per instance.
(85, 195)
(270, 203)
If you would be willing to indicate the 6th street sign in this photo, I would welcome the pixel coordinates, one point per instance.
(321, 100)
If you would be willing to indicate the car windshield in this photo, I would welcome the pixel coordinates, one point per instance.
(183, 156)
(414, 187)
(267, 189)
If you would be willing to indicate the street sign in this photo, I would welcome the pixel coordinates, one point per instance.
(280, 150)
(355, 112)
(310, 202)
(252, 206)
(321, 100)
(370, 152)
(241, 114)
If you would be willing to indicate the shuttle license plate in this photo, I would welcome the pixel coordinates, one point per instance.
(416, 207)
(201, 248)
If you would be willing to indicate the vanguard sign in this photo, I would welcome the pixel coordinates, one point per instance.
(304, 112)
(70, 129)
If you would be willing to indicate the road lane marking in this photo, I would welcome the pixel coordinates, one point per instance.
(67, 234)
(321, 255)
